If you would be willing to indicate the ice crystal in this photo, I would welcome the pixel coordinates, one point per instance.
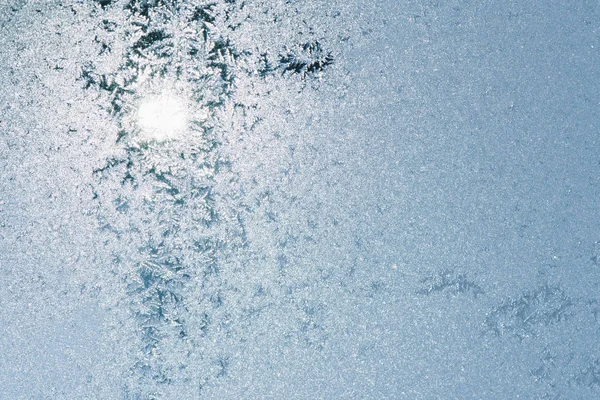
(524, 316)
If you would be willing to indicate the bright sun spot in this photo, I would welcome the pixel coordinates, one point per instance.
(162, 117)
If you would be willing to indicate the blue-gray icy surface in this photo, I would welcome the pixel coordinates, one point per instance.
(227, 199)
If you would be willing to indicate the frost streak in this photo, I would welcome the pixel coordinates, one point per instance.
(155, 193)
(522, 317)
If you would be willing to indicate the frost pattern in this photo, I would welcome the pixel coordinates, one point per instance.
(589, 374)
(451, 283)
(522, 317)
(197, 246)
(159, 199)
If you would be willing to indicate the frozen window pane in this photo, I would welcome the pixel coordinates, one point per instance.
(299, 199)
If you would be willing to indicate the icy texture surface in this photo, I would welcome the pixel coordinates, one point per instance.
(299, 199)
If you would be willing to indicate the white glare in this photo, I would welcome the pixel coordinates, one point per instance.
(162, 117)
